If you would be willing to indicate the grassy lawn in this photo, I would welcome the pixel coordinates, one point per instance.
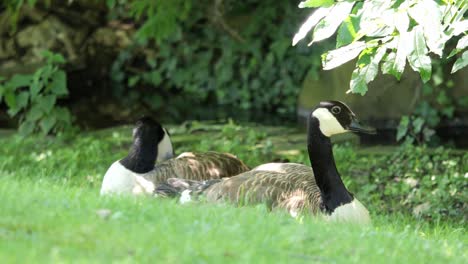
(51, 212)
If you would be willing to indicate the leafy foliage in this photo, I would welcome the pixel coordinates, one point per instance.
(14, 7)
(435, 106)
(388, 33)
(33, 97)
(425, 182)
(208, 62)
(159, 19)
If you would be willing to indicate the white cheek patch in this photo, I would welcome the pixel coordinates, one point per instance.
(353, 212)
(165, 150)
(328, 123)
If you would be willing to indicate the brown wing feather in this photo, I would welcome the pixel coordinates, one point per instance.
(288, 185)
(198, 166)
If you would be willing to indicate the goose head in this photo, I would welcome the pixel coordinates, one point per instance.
(153, 133)
(336, 117)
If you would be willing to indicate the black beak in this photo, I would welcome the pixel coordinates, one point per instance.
(356, 126)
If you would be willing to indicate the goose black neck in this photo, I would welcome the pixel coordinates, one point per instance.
(142, 156)
(327, 178)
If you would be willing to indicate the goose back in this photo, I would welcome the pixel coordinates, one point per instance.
(197, 166)
(283, 185)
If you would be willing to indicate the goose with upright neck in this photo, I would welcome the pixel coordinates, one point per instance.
(137, 173)
(317, 189)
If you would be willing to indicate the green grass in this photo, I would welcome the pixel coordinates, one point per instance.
(49, 204)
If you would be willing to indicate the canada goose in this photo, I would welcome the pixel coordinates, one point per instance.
(137, 172)
(317, 189)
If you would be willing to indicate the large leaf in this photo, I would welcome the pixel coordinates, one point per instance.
(26, 128)
(389, 61)
(347, 31)
(310, 23)
(460, 62)
(21, 101)
(376, 18)
(459, 27)
(18, 80)
(401, 21)
(34, 114)
(428, 14)
(366, 71)
(342, 55)
(59, 83)
(316, 3)
(330, 23)
(46, 103)
(47, 123)
(418, 58)
(405, 47)
(461, 45)
(36, 84)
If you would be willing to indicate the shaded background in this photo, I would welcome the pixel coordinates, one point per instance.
(221, 59)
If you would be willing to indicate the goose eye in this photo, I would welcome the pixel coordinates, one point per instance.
(336, 110)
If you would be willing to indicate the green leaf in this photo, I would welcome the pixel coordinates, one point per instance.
(34, 114)
(418, 123)
(428, 14)
(316, 3)
(46, 103)
(366, 71)
(52, 58)
(376, 18)
(132, 81)
(327, 27)
(358, 83)
(59, 83)
(401, 20)
(418, 58)
(18, 81)
(2, 90)
(460, 62)
(311, 21)
(10, 99)
(47, 123)
(387, 65)
(461, 44)
(347, 31)
(26, 128)
(63, 114)
(459, 27)
(21, 101)
(402, 127)
(405, 47)
(36, 83)
(342, 55)
(110, 3)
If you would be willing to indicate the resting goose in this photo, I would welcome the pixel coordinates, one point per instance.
(295, 187)
(138, 174)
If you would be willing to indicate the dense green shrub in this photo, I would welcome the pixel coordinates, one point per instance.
(33, 97)
(426, 182)
(207, 62)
